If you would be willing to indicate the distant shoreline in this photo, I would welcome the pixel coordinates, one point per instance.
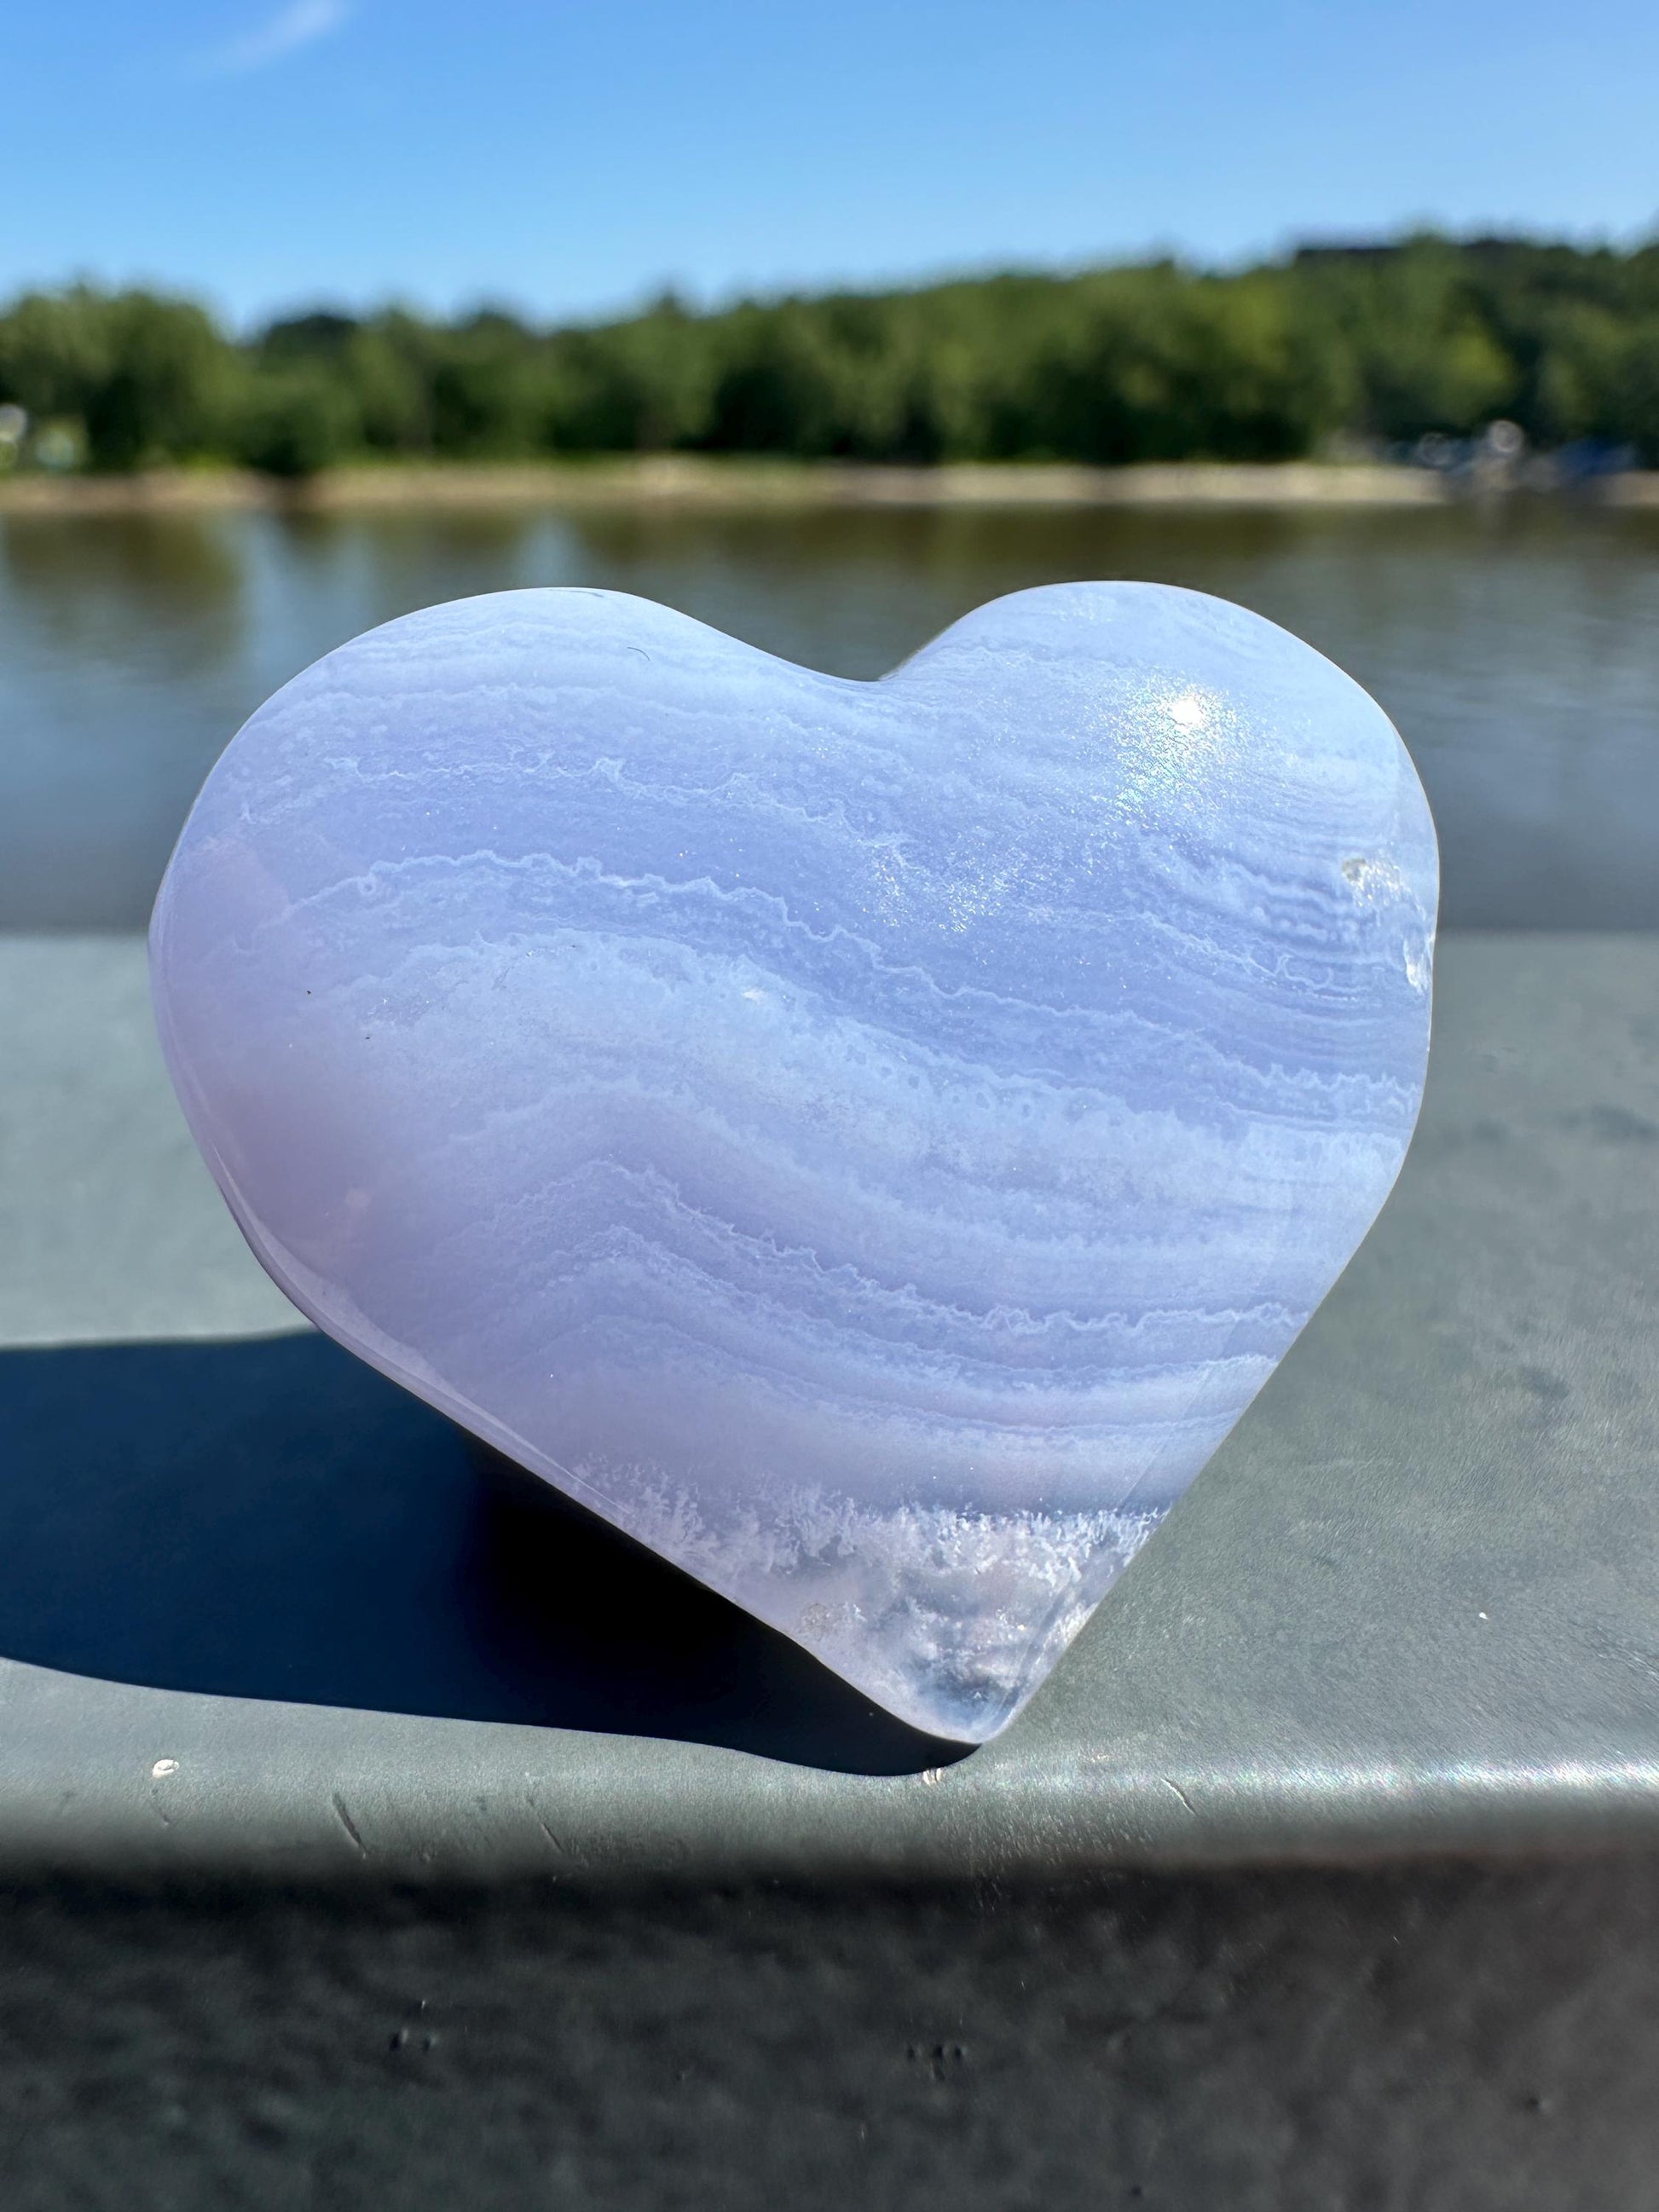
(692, 480)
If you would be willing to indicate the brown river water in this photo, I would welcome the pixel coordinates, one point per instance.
(1516, 648)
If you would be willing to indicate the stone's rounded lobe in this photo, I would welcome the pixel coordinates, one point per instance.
(869, 1141)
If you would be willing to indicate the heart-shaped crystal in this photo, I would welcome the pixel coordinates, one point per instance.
(869, 1141)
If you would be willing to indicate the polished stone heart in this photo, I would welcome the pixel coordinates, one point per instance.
(869, 1141)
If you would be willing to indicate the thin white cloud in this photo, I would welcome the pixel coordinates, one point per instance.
(301, 23)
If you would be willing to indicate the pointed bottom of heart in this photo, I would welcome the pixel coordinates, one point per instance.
(949, 1617)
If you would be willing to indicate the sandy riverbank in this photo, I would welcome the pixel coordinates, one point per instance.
(693, 481)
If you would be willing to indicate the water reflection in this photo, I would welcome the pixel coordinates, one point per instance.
(382, 565)
(121, 646)
(1517, 648)
(855, 591)
(164, 588)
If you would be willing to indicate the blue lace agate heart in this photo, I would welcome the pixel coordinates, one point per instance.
(869, 1141)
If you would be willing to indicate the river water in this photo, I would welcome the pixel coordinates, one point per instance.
(1516, 648)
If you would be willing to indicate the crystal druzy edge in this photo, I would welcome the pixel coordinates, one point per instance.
(869, 1141)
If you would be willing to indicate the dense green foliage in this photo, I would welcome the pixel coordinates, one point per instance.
(1146, 363)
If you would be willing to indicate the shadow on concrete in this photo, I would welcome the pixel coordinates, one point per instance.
(270, 1518)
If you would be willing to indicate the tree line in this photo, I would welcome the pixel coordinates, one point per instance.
(1386, 344)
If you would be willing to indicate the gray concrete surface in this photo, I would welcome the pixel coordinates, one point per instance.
(376, 1831)
(110, 1229)
(1411, 1607)
(1459, 2040)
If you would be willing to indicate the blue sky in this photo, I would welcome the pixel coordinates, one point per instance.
(571, 158)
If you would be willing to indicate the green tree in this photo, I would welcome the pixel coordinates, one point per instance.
(147, 379)
(293, 419)
(1154, 363)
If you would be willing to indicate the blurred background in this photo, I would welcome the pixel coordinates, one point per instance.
(825, 326)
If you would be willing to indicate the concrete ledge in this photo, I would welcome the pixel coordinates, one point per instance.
(265, 1616)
